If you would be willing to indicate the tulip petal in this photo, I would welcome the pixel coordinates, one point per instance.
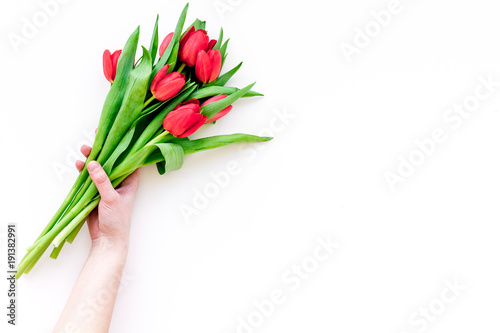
(198, 121)
(219, 115)
(184, 121)
(216, 61)
(191, 101)
(114, 60)
(107, 66)
(203, 67)
(214, 99)
(158, 77)
(169, 86)
(211, 44)
(212, 109)
(165, 43)
(186, 36)
(197, 41)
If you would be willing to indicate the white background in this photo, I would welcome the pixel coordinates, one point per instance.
(322, 176)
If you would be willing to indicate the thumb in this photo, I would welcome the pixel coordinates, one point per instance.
(101, 181)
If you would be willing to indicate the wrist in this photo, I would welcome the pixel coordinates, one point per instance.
(107, 246)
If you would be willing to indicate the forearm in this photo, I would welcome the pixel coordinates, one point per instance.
(90, 305)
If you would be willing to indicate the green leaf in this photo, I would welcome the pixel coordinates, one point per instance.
(219, 40)
(153, 108)
(223, 51)
(115, 96)
(173, 157)
(153, 48)
(172, 60)
(175, 40)
(223, 79)
(212, 109)
(131, 108)
(171, 154)
(194, 146)
(215, 91)
(197, 24)
(122, 146)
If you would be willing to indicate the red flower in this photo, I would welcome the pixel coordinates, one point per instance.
(165, 43)
(221, 113)
(184, 120)
(211, 44)
(109, 64)
(165, 86)
(191, 101)
(192, 42)
(208, 65)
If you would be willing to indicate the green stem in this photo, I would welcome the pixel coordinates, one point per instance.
(29, 261)
(158, 138)
(64, 206)
(55, 252)
(75, 222)
(75, 232)
(33, 263)
(181, 67)
(148, 102)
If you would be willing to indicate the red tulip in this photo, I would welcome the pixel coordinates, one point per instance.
(165, 86)
(191, 101)
(165, 43)
(211, 44)
(221, 113)
(185, 37)
(184, 120)
(192, 42)
(109, 64)
(208, 65)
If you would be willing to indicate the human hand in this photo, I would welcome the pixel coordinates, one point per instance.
(109, 228)
(109, 224)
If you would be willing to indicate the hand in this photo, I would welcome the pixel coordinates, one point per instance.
(109, 224)
(109, 227)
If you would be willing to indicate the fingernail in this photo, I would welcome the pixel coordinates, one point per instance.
(93, 166)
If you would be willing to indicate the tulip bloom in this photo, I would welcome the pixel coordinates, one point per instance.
(208, 65)
(165, 86)
(192, 43)
(191, 101)
(221, 113)
(165, 43)
(109, 64)
(184, 120)
(211, 44)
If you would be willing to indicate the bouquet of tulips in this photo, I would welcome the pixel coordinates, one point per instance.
(149, 112)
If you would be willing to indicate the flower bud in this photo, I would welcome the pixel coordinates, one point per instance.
(165, 86)
(192, 43)
(221, 113)
(184, 120)
(211, 44)
(208, 65)
(165, 43)
(110, 62)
